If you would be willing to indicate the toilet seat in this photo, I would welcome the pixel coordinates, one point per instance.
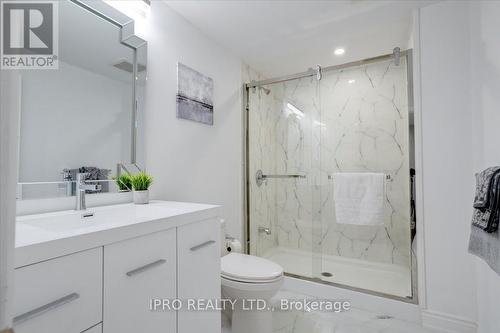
(249, 269)
(252, 290)
(241, 280)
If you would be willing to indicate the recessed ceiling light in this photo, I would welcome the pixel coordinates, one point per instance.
(351, 81)
(339, 51)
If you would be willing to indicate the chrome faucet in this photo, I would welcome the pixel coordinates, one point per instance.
(81, 187)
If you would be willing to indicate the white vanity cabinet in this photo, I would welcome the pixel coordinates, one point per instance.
(135, 271)
(62, 295)
(182, 263)
(103, 280)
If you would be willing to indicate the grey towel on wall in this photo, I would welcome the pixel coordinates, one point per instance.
(487, 200)
(486, 246)
(483, 187)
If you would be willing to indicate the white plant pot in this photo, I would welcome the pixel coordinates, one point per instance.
(141, 197)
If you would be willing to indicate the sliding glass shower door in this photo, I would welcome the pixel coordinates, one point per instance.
(303, 132)
(280, 148)
(365, 128)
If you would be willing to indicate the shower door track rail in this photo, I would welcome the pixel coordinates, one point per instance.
(314, 71)
(408, 299)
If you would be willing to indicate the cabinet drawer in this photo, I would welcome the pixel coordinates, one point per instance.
(62, 295)
(199, 274)
(137, 270)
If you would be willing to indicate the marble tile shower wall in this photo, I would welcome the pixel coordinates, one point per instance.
(355, 120)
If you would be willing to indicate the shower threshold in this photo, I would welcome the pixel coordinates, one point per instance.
(382, 278)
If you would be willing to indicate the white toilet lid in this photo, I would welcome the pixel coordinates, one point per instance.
(247, 268)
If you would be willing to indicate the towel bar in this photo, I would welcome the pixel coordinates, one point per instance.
(387, 177)
(260, 177)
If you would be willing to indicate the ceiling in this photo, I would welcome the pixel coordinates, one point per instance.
(284, 37)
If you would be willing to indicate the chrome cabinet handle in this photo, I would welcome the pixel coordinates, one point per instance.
(146, 267)
(45, 308)
(197, 247)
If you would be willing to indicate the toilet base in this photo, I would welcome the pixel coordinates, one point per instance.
(251, 321)
(251, 312)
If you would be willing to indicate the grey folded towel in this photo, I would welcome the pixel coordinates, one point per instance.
(484, 240)
(487, 200)
(483, 187)
(486, 246)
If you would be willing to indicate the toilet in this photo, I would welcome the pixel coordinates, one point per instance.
(246, 278)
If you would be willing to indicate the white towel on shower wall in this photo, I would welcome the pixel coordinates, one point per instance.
(359, 198)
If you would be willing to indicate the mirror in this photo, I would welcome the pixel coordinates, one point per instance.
(80, 117)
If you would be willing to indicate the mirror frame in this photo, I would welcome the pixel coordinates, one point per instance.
(129, 39)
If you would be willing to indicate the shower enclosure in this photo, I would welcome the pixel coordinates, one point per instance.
(304, 128)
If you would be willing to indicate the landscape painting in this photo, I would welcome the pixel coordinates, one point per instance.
(194, 95)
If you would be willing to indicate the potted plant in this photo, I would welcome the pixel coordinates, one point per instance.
(124, 182)
(140, 185)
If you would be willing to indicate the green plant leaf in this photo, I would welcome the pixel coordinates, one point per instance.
(124, 182)
(141, 181)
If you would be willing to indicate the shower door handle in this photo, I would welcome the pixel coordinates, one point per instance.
(260, 177)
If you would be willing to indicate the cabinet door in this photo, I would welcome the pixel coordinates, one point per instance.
(136, 271)
(199, 274)
(62, 295)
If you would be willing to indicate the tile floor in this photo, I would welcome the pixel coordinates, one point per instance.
(352, 321)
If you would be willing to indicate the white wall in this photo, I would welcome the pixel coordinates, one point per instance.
(447, 165)
(460, 103)
(191, 161)
(485, 73)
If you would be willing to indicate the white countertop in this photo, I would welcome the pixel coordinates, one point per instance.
(44, 236)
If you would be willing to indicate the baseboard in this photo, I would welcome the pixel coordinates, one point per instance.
(442, 322)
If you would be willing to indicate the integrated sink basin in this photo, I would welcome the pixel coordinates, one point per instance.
(58, 233)
(98, 218)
